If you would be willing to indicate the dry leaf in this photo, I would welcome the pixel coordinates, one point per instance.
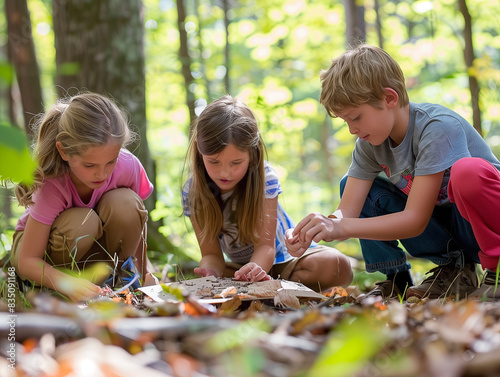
(231, 305)
(266, 288)
(284, 299)
(226, 292)
(337, 291)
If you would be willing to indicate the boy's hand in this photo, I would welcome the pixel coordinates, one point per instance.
(316, 227)
(251, 272)
(206, 272)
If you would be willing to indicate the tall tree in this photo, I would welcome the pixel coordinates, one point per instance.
(100, 47)
(469, 62)
(185, 58)
(378, 23)
(22, 55)
(227, 81)
(355, 22)
(201, 49)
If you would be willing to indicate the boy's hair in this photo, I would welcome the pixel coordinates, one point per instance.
(79, 122)
(359, 76)
(226, 121)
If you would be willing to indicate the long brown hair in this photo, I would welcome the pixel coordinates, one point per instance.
(226, 121)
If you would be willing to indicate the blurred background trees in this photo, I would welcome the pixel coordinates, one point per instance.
(164, 60)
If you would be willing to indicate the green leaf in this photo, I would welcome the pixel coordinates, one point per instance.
(17, 164)
(238, 336)
(6, 73)
(352, 345)
(175, 290)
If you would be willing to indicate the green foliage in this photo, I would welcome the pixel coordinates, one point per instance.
(238, 336)
(6, 74)
(17, 164)
(350, 347)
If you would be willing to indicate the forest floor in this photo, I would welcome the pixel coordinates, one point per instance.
(219, 327)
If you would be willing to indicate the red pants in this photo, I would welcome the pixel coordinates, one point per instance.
(475, 189)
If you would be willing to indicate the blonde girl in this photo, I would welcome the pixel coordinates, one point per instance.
(86, 203)
(231, 197)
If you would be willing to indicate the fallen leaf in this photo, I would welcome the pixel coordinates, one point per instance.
(284, 299)
(227, 292)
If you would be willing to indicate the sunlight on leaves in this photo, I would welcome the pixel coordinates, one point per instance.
(275, 95)
(95, 273)
(14, 150)
(6, 73)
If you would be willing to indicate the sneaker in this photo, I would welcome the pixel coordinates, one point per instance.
(489, 288)
(126, 277)
(446, 281)
(385, 289)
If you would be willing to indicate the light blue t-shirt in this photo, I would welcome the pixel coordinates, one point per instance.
(233, 249)
(436, 138)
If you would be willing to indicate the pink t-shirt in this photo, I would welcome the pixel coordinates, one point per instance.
(58, 194)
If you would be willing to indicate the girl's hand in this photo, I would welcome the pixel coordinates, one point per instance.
(251, 272)
(293, 245)
(78, 289)
(206, 272)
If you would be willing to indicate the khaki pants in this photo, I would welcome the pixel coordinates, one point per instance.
(115, 230)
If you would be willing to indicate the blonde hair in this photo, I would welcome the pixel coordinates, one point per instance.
(359, 76)
(79, 122)
(226, 121)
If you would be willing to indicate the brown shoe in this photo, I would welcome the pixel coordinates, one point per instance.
(489, 288)
(385, 289)
(446, 281)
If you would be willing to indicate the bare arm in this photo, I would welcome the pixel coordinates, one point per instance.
(408, 223)
(212, 261)
(264, 251)
(30, 264)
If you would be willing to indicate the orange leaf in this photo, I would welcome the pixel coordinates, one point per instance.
(337, 291)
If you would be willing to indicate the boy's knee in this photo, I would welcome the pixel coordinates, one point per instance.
(467, 176)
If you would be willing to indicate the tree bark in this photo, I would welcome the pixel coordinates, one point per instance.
(469, 62)
(355, 22)
(185, 59)
(100, 48)
(378, 24)
(227, 60)
(201, 49)
(22, 55)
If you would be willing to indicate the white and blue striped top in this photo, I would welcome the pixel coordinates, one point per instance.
(234, 250)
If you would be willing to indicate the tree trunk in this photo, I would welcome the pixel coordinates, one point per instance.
(185, 58)
(22, 54)
(227, 82)
(201, 48)
(469, 62)
(100, 48)
(378, 24)
(355, 22)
